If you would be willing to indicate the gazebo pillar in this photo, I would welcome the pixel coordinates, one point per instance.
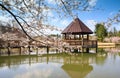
(87, 49)
(79, 36)
(87, 36)
(74, 37)
(65, 36)
(82, 49)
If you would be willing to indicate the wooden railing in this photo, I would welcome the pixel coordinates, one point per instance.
(83, 43)
(89, 43)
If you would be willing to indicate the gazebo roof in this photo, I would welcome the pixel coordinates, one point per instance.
(77, 27)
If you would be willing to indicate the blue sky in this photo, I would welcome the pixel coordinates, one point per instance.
(107, 9)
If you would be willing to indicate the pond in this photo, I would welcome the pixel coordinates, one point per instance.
(81, 65)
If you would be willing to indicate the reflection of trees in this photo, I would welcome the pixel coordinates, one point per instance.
(119, 53)
(75, 66)
(77, 63)
(12, 61)
(101, 56)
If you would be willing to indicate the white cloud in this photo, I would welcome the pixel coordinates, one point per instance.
(35, 73)
(91, 24)
(51, 1)
(64, 23)
(112, 13)
(60, 23)
(4, 19)
(48, 12)
(40, 70)
(92, 2)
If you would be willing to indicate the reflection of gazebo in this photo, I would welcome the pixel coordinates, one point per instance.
(77, 71)
(77, 34)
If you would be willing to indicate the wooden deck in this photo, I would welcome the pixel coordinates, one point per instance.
(105, 45)
(82, 43)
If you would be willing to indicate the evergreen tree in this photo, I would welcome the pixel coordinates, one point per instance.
(100, 31)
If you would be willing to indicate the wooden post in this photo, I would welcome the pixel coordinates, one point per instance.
(20, 50)
(56, 50)
(0, 50)
(65, 37)
(79, 36)
(47, 50)
(96, 46)
(87, 50)
(96, 49)
(82, 43)
(87, 36)
(20, 47)
(37, 50)
(8, 47)
(29, 49)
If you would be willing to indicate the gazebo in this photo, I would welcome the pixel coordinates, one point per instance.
(76, 34)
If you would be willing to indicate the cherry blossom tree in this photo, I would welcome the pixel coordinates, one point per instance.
(33, 16)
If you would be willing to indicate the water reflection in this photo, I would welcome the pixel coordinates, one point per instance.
(77, 71)
(60, 66)
(110, 68)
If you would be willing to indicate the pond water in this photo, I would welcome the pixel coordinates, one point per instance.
(82, 65)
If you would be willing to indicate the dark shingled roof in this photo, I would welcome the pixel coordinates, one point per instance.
(77, 27)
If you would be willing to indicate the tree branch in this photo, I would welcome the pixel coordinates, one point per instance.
(28, 8)
(66, 8)
(16, 21)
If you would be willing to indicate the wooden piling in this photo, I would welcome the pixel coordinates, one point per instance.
(8, 48)
(47, 49)
(29, 49)
(20, 50)
(36, 50)
(0, 51)
(87, 50)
